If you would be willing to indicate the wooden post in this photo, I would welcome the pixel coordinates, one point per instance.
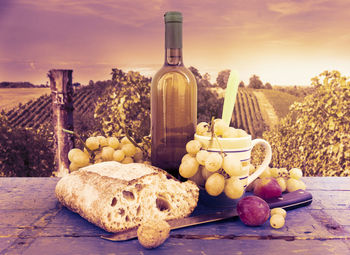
(62, 117)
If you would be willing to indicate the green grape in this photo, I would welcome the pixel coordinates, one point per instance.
(205, 173)
(230, 132)
(113, 142)
(125, 140)
(277, 221)
(193, 147)
(198, 178)
(186, 157)
(282, 182)
(266, 173)
(275, 173)
(302, 185)
(295, 173)
(118, 155)
(188, 168)
(283, 172)
(92, 143)
(280, 211)
(219, 126)
(241, 133)
(215, 184)
(80, 158)
(213, 162)
(294, 184)
(73, 167)
(234, 188)
(129, 149)
(127, 160)
(138, 155)
(232, 165)
(202, 129)
(98, 157)
(107, 153)
(202, 156)
(102, 140)
(86, 152)
(72, 152)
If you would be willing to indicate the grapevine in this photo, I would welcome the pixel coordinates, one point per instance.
(315, 135)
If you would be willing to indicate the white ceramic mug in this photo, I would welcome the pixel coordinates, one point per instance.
(241, 147)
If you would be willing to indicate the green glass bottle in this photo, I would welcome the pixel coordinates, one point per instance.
(173, 102)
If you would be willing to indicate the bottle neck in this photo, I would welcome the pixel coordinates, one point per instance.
(173, 43)
(173, 57)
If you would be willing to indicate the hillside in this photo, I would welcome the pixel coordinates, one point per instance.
(273, 104)
(280, 101)
(7, 84)
(266, 109)
(255, 110)
(11, 97)
(250, 112)
(38, 111)
(246, 115)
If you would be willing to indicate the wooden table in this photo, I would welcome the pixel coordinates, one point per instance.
(33, 222)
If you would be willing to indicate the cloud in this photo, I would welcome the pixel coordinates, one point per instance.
(121, 11)
(296, 7)
(32, 65)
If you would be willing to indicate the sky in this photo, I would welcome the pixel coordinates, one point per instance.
(283, 42)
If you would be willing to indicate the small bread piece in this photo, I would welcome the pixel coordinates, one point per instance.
(118, 197)
(153, 233)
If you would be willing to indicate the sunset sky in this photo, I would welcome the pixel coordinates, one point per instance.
(283, 42)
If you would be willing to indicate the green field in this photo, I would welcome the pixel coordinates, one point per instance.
(11, 97)
(280, 101)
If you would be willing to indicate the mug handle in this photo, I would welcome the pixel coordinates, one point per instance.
(266, 161)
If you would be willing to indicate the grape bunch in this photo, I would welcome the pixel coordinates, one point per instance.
(219, 129)
(289, 181)
(217, 172)
(100, 148)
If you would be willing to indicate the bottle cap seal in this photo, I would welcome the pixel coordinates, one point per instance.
(173, 17)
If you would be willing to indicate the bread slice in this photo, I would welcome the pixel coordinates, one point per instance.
(118, 197)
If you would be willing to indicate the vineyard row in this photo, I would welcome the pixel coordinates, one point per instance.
(34, 113)
(246, 114)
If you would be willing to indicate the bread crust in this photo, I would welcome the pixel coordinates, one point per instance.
(106, 195)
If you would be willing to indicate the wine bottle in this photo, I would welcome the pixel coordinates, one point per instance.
(173, 102)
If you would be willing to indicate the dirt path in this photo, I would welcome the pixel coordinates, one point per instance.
(267, 111)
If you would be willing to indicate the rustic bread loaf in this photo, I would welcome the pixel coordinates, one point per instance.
(118, 196)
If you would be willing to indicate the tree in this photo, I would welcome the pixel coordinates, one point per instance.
(241, 84)
(268, 85)
(222, 78)
(196, 73)
(76, 86)
(255, 82)
(206, 77)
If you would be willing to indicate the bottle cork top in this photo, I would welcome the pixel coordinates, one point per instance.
(173, 17)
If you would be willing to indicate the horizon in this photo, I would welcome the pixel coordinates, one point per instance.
(285, 43)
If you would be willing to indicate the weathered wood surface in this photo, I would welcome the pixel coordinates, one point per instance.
(33, 222)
